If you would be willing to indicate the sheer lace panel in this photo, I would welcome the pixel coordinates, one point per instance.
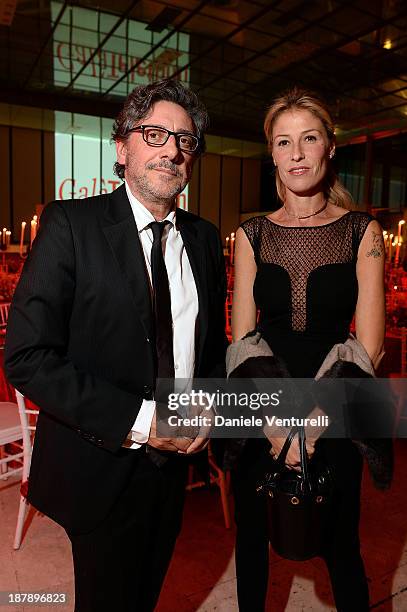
(301, 250)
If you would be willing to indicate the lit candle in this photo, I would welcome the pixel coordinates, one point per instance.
(22, 238)
(399, 241)
(8, 238)
(232, 247)
(394, 244)
(385, 241)
(33, 232)
(227, 245)
(3, 241)
(390, 245)
(401, 223)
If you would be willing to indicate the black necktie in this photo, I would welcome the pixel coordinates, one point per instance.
(161, 304)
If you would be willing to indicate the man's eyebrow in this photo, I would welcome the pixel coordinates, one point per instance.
(157, 125)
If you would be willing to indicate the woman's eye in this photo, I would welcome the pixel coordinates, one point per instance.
(282, 143)
(310, 138)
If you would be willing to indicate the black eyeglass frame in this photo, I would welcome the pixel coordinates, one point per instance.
(141, 128)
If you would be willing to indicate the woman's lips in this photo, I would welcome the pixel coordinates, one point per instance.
(299, 171)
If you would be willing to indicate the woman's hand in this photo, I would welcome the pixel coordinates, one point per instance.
(278, 435)
(293, 459)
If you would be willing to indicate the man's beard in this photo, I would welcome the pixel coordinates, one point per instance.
(162, 191)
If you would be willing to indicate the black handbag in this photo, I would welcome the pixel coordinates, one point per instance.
(298, 503)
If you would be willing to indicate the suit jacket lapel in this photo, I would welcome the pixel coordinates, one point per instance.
(196, 254)
(121, 233)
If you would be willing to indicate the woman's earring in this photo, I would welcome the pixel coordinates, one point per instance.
(332, 153)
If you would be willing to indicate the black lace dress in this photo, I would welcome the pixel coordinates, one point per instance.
(306, 287)
(306, 291)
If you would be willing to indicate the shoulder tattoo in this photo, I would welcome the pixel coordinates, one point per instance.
(377, 245)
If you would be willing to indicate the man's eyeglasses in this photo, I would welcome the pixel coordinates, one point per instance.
(157, 137)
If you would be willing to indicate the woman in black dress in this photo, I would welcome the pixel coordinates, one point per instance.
(307, 268)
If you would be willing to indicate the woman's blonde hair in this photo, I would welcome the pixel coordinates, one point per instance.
(301, 99)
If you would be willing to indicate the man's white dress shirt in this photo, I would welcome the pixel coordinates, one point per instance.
(184, 303)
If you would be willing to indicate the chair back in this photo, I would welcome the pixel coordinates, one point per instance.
(17, 429)
(11, 452)
(28, 419)
(4, 310)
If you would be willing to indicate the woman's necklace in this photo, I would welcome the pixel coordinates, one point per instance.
(306, 216)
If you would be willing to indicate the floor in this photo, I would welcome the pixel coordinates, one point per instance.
(201, 577)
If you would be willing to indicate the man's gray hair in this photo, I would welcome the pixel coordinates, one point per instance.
(140, 102)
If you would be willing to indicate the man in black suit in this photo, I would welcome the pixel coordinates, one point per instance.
(88, 337)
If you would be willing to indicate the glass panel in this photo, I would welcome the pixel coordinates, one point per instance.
(84, 156)
(350, 165)
(377, 185)
(398, 188)
(63, 166)
(80, 32)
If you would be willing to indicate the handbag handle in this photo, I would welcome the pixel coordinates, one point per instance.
(280, 461)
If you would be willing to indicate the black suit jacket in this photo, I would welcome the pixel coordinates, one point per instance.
(79, 344)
